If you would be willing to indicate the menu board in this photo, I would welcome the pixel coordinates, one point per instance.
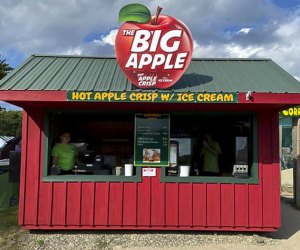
(152, 140)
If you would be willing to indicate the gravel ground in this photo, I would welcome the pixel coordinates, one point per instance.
(122, 240)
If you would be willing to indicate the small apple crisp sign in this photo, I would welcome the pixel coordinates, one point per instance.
(152, 51)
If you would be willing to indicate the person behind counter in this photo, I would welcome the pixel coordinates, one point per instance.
(210, 152)
(64, 155)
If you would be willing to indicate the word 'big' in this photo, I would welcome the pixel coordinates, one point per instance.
(147, 43)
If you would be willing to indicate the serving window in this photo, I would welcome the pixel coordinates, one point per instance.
(105, 144)
(232, 158)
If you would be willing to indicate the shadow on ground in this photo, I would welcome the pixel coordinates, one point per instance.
(290, 220)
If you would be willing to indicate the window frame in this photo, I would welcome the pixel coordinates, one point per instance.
(253, 179)
(77, 178)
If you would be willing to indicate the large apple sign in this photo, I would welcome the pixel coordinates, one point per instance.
(153, 51)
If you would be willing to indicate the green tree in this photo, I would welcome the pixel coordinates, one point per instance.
(4, 68)
(10, 123)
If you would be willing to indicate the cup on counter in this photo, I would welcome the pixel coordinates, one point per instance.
(128, 169)
(184, 171)
(118, 170)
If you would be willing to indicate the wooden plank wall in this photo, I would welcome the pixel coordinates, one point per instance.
(150, 204)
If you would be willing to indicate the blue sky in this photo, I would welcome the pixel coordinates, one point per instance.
(220, 28)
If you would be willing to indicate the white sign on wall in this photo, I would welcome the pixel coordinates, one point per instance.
(149, 171)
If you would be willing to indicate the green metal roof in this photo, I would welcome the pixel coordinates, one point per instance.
(76, 73)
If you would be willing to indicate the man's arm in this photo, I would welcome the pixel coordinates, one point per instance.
(214, 150)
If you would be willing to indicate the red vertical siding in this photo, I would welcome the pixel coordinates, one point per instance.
(73, 204)
(130, 204)
(32, 168)
(144, 205)
(116, 204)
(270, 166)
(101, 204)
(87, 204)
(23, 168)
(150, 203)
(157, 201)
(255, 206)
(45, 204)
(227, 205)
(59, 204)
(241, 205)
(276, 169)
(199, 204)
(213, 205)
(185, 204)
(172, 200)
(268, 195)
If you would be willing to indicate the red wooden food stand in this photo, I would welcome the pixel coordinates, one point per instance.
(43, 86)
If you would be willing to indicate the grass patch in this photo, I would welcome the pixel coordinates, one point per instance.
(40, 242)
(9, 228)
(8, 221)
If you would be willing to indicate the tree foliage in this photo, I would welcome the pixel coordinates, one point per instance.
(10, 123)
(4, 68)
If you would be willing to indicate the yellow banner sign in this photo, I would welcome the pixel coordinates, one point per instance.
(295, 111)
(117, 96)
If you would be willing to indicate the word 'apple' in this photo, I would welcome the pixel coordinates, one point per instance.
(154, 54)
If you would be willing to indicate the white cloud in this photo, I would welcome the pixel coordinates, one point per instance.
(244, 31)
(108, 39)
(73, 51)
(235, 50)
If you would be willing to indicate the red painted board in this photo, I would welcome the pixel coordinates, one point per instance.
(101, 203)
(227, 205)
(255, 205)
(185, 204)
(241, 205)
(276, 170)
(144, 198)
(199, 204)
(157, 200)
(87, 203)
(73, 204)
(213, 205)
(33, 166)
(130, 204)
(276, 191)
(115, 211)
(270, 98)
(268, 195)
(45, 203)
(23, 168)
(172, 213)
(59, 204)
(33, 95)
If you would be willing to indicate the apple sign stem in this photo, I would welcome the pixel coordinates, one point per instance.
(159, 9)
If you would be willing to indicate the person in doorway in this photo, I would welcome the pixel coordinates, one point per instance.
(64, 155)
(210, 152)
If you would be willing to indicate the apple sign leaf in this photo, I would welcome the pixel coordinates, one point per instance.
(135, 13)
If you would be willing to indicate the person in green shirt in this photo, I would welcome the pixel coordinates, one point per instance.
(210, 152)
(64, 155)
